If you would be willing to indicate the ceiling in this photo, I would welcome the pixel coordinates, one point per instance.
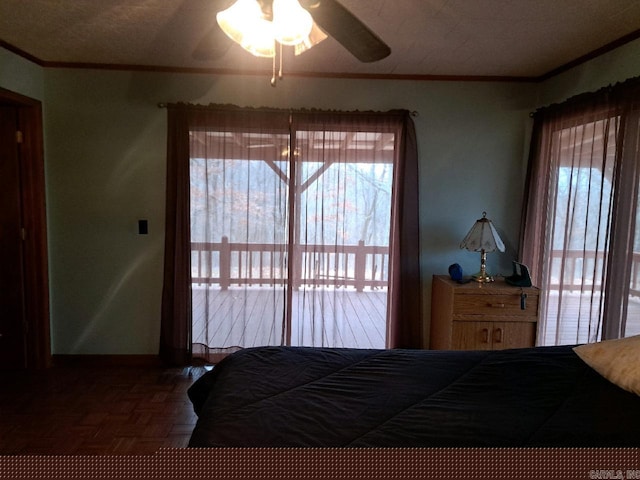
(526, 39)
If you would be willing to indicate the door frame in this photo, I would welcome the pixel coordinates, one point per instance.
(34, 219)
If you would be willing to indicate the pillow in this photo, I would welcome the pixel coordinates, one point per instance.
(616, 360)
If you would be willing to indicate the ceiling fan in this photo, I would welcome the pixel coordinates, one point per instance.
(330, 16)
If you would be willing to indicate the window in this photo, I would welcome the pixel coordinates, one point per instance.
(581, 228)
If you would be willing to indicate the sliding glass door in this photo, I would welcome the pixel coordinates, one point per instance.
(581, 232)
(290, 233)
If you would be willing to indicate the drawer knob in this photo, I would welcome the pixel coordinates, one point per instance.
(497, 305)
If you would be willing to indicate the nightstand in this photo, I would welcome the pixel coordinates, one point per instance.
(482, 316)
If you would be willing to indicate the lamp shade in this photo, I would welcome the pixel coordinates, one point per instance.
(483, 236)
(245, 24)
(315, 37)
(291, 23)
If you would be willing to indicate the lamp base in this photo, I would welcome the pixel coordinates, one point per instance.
(482, 278)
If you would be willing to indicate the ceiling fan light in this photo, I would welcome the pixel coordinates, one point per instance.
(315, 37)
(259, 41)
(233, 21)
(292, 23)
(245, 24)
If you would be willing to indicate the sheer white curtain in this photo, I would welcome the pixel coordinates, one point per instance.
(580, 225)
(343, 169)
(239, 210)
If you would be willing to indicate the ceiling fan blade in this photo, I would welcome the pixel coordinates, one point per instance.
(347, 29)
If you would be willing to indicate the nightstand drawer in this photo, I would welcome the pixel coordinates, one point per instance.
(509, 305)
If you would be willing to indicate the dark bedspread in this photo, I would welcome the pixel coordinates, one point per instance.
(319, 397)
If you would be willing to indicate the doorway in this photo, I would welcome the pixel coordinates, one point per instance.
(24, 285)
(290, 230)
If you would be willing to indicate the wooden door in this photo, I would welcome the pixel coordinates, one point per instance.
(12, 307)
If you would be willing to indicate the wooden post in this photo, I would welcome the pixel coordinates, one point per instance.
(295, 267)
(360, 267)
(225, 263)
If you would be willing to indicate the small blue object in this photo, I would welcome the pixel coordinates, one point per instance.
(455, 271)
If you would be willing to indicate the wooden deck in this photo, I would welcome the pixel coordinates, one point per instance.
(575, 311)
(252, 316)
(331, 317)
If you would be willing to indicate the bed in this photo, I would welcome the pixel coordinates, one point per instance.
(325, 397)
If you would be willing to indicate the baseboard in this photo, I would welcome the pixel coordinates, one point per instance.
(107, 360)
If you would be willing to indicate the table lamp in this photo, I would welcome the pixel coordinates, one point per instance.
(483, 238)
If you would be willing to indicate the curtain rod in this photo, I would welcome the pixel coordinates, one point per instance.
(413, 113)
(633, 82)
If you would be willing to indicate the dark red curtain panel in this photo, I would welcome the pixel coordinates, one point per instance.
(175, 327)
(405, 290)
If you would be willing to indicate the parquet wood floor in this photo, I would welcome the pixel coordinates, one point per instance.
(95, 410)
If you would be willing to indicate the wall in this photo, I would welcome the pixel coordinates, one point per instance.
(21, 76)
(105, 160)
(608, 69)
(106, 167)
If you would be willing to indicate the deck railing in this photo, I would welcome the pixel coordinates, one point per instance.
(232, 263)
(578, 261)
